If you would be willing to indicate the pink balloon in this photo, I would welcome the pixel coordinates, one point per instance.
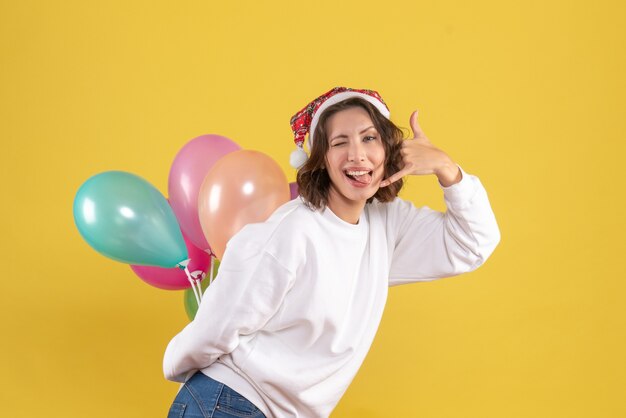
(293, 190)
(175, 278)
(190, 166)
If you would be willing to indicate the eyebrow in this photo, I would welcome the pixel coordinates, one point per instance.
(345, 136)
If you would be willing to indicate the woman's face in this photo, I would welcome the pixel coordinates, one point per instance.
(355, 159)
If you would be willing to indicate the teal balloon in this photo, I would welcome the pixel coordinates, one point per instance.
(125, 218)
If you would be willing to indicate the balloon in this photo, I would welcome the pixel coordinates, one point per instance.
(191, 306)
(125, 218)
(243, 187)
(190, 167)
(293, 190)
(175, 278)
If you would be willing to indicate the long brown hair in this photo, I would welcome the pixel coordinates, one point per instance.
(313, 179)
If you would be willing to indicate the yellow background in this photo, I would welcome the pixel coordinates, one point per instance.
(527, 95)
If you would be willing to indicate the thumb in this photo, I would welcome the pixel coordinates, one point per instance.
(415, 126)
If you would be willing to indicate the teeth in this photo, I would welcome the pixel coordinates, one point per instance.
(356, 173)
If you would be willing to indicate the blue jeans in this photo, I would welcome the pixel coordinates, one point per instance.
(203, 397)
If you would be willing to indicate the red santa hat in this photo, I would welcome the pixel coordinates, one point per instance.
(306, 119)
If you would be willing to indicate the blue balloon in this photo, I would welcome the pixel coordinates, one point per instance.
(125, 218)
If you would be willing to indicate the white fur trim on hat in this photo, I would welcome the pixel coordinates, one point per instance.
(338, 98)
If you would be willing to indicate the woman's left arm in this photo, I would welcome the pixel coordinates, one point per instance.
(428, 244)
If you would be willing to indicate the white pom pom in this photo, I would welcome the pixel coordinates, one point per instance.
(297, 158)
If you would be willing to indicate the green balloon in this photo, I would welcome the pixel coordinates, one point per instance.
(191, 305)
(125, 218)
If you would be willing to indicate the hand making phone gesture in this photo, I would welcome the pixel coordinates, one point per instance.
(421, 157)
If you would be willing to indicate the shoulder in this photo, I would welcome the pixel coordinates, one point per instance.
(282, 235)
(395, 208)
(399, 215)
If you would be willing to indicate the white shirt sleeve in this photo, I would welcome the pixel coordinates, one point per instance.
(246, 293)
(429, 244)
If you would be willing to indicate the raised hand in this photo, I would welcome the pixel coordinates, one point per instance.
(421, 157)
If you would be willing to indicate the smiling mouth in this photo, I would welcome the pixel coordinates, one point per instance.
(362, 177)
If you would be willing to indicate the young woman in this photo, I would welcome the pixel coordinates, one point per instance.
(292, 314)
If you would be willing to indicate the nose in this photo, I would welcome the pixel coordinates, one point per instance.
(356, 151)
